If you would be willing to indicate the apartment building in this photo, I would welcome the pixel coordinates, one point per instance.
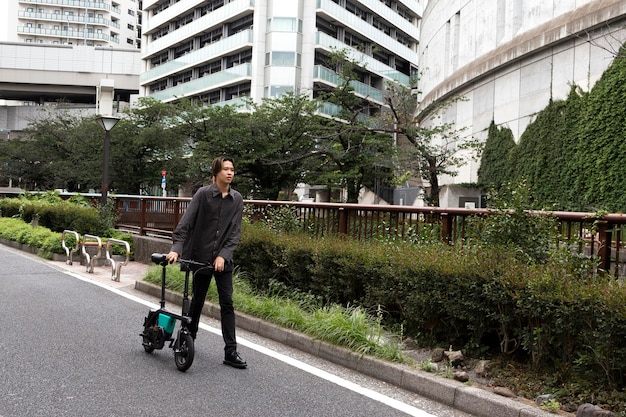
(72, 22)
(218, 51)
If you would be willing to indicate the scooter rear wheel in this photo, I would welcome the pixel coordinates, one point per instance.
(183, 354)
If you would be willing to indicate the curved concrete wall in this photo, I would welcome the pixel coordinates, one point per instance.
(509, 57)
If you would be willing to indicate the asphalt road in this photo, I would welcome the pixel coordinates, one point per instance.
(72, 348)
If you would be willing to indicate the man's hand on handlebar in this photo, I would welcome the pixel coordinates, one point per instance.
(172, 257)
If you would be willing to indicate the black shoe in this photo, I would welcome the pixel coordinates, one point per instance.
(233, 359)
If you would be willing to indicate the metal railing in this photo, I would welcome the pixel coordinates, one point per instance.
(593, 235)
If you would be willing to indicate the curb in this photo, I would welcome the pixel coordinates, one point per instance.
(476, 401)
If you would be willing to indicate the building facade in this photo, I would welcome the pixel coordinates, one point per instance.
(218, 51)
(509, 58)
(89, 23)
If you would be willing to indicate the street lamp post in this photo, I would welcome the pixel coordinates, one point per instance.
(107, 123)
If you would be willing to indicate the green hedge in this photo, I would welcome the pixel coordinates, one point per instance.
(477, 300)
(56, 217)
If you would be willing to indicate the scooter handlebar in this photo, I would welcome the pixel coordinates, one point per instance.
(161, 259)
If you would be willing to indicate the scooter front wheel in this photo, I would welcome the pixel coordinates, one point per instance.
(184, 352)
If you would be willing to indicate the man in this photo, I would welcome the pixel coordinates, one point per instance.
(209, 232)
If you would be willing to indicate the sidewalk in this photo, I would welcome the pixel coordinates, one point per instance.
(480, 402)
(129, 274)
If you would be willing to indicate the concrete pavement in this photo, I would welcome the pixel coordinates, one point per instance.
(478, 401)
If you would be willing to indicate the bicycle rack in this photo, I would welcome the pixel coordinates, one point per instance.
(70, 252)
(116, 266)
(91, 241)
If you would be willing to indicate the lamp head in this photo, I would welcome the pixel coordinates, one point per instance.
(107, 122)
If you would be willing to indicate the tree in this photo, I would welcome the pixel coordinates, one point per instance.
(212, 131)
(283, 142)
(55, 151)
(428, 148)
(145, 142)
(351, 147)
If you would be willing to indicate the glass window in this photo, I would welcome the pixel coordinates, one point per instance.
(284, 24)
(283, 58)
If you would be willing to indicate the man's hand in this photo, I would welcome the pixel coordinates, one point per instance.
(172, 257)
(218, 264)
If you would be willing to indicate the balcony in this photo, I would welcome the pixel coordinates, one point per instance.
(373, 65)
(330, 77)
(63, 18)
(333, 11)
(220, 79)
(217, 16)
(210, 51)
(79, 4)
(68, 34)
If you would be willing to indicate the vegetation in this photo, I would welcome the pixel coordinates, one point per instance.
(38, 221)
(351, 327)
(572, 153)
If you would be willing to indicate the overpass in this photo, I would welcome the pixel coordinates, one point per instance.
(44, 73)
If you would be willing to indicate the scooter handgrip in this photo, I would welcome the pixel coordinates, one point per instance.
(159, 258)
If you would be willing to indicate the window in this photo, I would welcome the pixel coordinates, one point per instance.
(183, 49)
(282, 58)
(182, 78)
(237, 91)
(277, 90)
(240, 58)
(131, 27)
(284, 24)
(159, 59)
(378, 24)
(210, 68)
(158, 86)
(352, 40)
(405, 14)
(130, 41)
(184, 20)
(212, 36)
(215, 4)
(240, 24)
(131, 12)
(356, 10)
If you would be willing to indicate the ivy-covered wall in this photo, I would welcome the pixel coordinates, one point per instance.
(573, 155)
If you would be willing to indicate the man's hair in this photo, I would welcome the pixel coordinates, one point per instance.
(218, 163)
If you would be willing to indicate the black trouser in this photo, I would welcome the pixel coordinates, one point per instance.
(200, 287)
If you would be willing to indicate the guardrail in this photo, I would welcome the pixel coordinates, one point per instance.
(597, 236)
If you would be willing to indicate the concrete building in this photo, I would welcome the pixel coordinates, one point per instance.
(508, 58)
(90, 23)
(75, 52)
(217, 51)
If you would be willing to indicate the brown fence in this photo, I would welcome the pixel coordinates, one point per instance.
(597, 236)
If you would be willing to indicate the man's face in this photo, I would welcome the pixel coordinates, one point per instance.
(227, 173)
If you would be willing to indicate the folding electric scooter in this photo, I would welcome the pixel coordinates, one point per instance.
(158, 326)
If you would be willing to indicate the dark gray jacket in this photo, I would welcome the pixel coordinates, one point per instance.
(210, 227)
